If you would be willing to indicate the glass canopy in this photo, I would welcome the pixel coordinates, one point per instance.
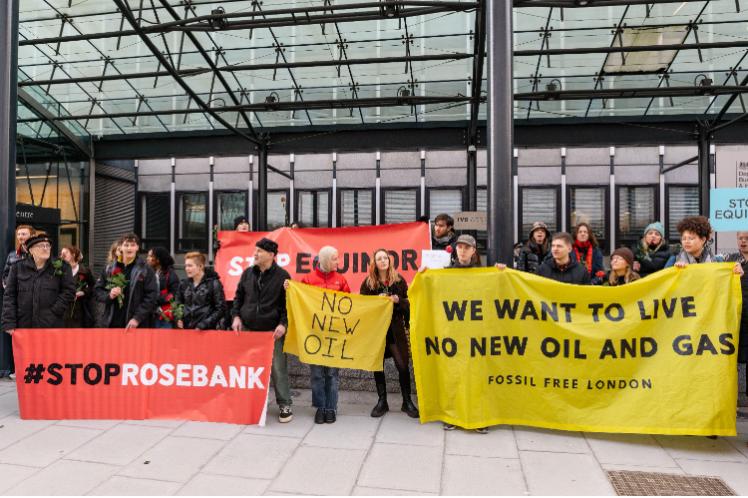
(111, 67)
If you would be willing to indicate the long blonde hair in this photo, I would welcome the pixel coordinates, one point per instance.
(113, 257)
(372, 279)
(630, 276)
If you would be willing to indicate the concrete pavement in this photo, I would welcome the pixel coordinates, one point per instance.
(357, 455)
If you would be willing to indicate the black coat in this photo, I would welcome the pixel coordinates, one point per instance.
(260, 298)
(650, 262)
(80, 313)
(574, 273)
(397, 333)
(204, 305)
(142, 295)
(37, 298)
(531, 256)
(443, 244)
(13, 258)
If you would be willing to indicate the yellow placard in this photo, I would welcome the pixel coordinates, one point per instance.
(506, 347)
(336, 329)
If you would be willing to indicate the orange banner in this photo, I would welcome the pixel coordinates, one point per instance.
(207, 376)
(297, 248)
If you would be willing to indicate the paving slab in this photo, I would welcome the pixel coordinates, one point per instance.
(642, 468)
(8, 403)
(734, 474)
(120, 445)
(156, 422)
(215, 485)
(10, 475)
(174, 459)
(529, 439)
(129, 486)
(209, 430)
(633, 449)
(401, 466)
(326, 471)
(406, 430)
(498, 443)
(250, 455)
(564, 474)
(64, 478)
(348, 432)
(13, 429)
(740, 443)
(299, 427)
(101, 425)
(42, 448)
(476, 476)
(700, 448)
(364, 491)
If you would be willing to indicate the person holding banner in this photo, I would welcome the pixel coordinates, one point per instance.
(653, 252)
(39, 289)
(562, 267)
(695, 232)
(325, 379)
(621, 268)
(128, 288)
(201, 295)
(383, 280)
(260, 305)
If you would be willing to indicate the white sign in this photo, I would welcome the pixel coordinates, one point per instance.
(435, 259)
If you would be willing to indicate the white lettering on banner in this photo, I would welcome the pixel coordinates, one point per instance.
(237, 265)
(239, 377)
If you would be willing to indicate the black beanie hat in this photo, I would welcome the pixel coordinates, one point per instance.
(267, 245)
(239, 220)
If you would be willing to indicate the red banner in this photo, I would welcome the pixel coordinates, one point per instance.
(297, 248)
(207, 376)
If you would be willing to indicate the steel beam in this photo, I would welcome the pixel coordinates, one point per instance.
(8, 106)
(479, 51)
(500, 132)
(49, 118)
(704, 142)
(262, 188)
(632, 93)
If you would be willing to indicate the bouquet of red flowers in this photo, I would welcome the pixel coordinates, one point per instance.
(80, 286)
(117, 279)
(171, 311)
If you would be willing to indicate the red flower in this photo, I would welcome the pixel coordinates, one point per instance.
(164, 292)
(600, 274)
(449, 249)
(81, 277)
(117, 270)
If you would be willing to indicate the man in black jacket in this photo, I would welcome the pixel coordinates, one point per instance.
(39, 289)
(561, 267)
(137, 307)
(444, 233)
(260, 305)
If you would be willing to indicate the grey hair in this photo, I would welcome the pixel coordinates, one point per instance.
(325, 255)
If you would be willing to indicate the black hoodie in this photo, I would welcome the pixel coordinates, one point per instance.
(573, 273)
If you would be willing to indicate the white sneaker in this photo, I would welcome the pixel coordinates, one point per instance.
(12, 377)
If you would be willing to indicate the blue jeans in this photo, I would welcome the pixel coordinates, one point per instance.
(324, 387)
(163, 324)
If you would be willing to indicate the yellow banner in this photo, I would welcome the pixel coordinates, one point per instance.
(336, 329)
(505, 347)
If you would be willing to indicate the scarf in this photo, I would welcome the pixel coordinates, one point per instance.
(584, 248)
(707, 256)
(445, 239)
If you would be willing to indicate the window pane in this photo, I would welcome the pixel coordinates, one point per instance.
(444, 201)
(306, 208)
(276, 210)
(682, 202)
(539, 204)
(194, 229)
(636, 210)
(323, 209)
(157, 223)
(356, 207)
(230, 205)
(588, 206)
(400, 206)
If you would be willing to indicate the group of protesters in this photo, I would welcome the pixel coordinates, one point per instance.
(43, 291)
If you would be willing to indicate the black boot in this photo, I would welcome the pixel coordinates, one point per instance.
(381, 407)
(408, 406)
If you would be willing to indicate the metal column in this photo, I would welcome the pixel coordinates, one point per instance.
(704, 170)
(8, 96)
(262, 188)
(500, 132)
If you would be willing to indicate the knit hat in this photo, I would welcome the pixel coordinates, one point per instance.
(267, 245)
(466, 239)
(539, 225)
(626, 254)
(658, 226)
(37, 239)
(239, 220)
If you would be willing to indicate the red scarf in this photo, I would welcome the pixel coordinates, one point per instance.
(586, 249)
